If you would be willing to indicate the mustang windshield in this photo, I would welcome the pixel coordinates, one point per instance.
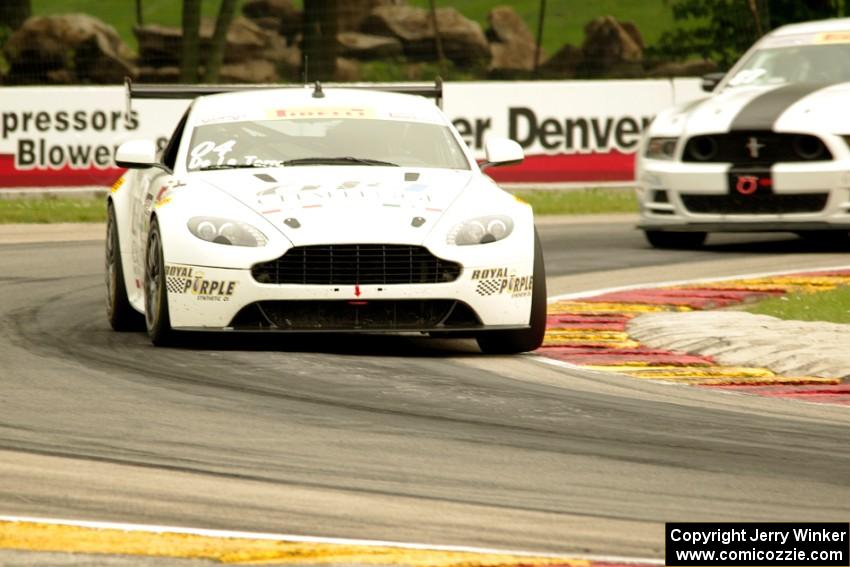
(819, 63)
(324, 141)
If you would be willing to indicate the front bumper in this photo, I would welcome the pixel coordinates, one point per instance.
(202, 298)
(817, 197)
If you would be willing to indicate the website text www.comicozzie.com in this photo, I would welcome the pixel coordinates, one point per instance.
(688, 556)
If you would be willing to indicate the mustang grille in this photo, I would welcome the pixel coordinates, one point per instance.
(350, 264)
(762, 147)
(756, 204)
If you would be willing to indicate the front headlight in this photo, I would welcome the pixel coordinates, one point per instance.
(226, 231)
(481, 230)
(661, 148)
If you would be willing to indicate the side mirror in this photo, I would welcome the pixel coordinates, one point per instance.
(710, 80)
(136, 154)
(501, 151)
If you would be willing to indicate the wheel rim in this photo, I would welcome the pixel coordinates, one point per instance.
(153, 280)
(111, 260)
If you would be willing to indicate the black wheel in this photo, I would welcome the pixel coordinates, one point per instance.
(522, 340)
(675, 240)
(157, 319)
(121, 315)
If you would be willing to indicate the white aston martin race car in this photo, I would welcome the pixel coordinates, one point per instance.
(768, 151)
(307, 209)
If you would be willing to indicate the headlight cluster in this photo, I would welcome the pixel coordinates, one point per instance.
(661, 148)
(481, 230)
(226, 231)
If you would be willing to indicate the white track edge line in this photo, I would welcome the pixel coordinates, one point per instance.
(230, 534)
(591, 293)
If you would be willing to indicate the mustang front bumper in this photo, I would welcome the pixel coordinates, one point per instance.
(676, 196)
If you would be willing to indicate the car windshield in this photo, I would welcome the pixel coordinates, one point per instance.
(324, 141)
(824, 63)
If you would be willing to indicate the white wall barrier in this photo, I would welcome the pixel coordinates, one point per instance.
(573, 132)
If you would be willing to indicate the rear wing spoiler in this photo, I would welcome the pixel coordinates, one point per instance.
(175, 91)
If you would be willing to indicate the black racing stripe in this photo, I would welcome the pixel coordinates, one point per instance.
(763, 111)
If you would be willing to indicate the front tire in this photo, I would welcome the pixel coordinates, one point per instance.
(157, 319)
(522, 340)
(122, 317)
(675, 240)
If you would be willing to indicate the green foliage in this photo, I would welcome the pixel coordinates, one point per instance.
(833, 306)
(722, 30)
(5, 32)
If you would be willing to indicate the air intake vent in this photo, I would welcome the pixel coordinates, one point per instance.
(350, 264)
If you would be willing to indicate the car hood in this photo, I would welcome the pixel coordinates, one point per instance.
(341, 204)
(797, 107)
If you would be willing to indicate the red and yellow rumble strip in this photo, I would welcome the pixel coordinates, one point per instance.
(241, 548)
(591, 332)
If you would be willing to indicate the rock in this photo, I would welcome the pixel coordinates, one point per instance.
(364, 46)
(463, 40)
(277, 15)
(351, 13)
(609, 47)
(512, 46)
(258, 71)
(170, 74)
(696, 68)
(563, 64)
(161, 45)
(347, 70)
(68, 48)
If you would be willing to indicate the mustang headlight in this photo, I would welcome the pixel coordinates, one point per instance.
(226, 231)
(661, 148)
(481, 230)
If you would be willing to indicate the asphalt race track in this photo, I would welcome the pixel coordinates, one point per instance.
(393, 438)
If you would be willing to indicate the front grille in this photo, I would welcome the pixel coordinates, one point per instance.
(755, 204)
(350, 264)
(755, 148)
(342, 315)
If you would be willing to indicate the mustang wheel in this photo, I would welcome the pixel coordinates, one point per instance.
(156, 297)
(122, 316)
(675, 240)
(523, 340)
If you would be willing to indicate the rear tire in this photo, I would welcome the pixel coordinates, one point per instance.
(675, 240)
(122, 317)
(522, 340)
(157, 319)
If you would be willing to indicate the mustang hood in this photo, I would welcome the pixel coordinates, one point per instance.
(801, 106)
(341, 204)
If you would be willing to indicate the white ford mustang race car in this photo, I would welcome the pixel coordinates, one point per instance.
(768, 151)
(305, 209)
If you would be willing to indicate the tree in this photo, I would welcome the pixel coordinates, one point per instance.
(219, 40)
(320, 42)
(13, 13)
(190, 47)
(721, 30)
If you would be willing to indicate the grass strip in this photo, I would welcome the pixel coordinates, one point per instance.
(580, 201)
(544, 202)
(832, 306)
(52, 210)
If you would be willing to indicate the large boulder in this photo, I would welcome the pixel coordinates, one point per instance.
(463, 39)
(161, 45)
(563, 64)
(67, 48)
(258, 71)
(280, 16)
(364, 46)
(511, 43)
(611, 46)
(695, 68)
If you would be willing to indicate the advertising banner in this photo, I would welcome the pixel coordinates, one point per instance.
(573, 132)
